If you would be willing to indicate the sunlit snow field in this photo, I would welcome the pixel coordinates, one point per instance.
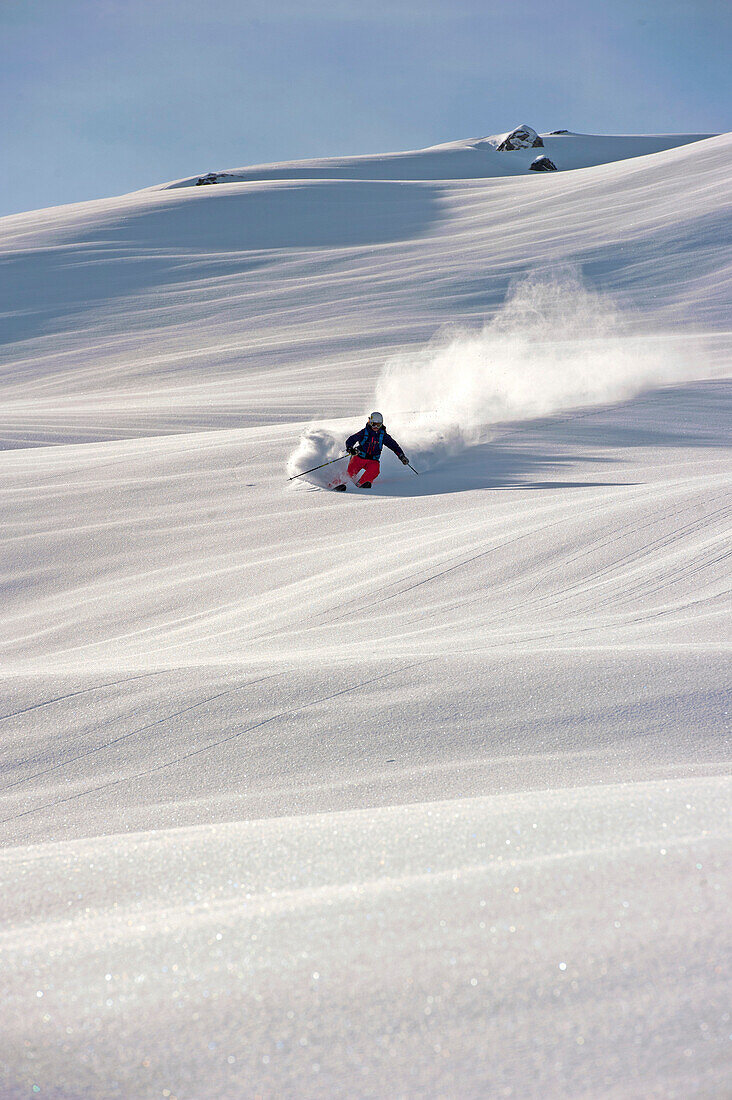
(415, 792)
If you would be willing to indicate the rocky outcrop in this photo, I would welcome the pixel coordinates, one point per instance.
(523, 137)
(542, 164)
(214, 177)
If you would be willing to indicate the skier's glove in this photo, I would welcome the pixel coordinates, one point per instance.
(353, 451)
(404, 460)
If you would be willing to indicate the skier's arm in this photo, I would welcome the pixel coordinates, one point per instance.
(393, 446)
(356, 438)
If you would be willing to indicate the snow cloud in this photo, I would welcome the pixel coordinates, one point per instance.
(555, 344)
(318, 445)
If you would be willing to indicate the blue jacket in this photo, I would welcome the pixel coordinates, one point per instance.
(370, 443)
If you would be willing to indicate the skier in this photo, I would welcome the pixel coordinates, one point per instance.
(365, 449)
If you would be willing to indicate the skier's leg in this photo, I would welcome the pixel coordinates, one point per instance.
(362, 470)
(356, 468)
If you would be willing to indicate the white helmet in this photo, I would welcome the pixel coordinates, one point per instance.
(376, 420)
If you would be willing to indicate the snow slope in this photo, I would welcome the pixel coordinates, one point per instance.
(421, 792)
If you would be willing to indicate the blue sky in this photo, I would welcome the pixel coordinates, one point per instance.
(100, 97)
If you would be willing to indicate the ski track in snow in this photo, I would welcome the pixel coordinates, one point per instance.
(416, 792)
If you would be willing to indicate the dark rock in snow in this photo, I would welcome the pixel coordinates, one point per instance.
(542, 164)
(553, 133)
(523, 137)
(214, 177)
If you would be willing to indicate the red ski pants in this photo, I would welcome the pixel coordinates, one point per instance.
(363, 469)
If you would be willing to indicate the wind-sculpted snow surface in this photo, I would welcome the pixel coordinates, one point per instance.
(496, 943)
(420, 791)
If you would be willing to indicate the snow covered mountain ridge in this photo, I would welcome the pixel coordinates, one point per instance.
(475, 158)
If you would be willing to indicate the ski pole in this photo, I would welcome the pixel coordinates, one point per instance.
(411, 467)
(320, 467)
